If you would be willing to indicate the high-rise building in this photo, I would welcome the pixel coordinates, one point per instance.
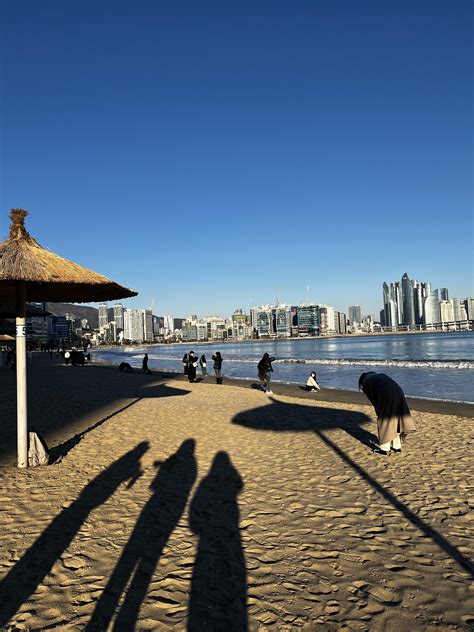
(169, 324)
(308, 320)
(148, 333)
(408, 301)
(282, 321)
(262, 320)
(103, 316)
(470, 308)
(118, 316)
(443, 294)
(355, 314)
(446, 311)
(459, 309)
(431, 311)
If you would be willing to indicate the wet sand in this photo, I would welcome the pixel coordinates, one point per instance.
(205, 507)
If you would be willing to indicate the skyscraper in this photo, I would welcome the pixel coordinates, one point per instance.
(443, 294)
(355, 312)
(432, 314)
(408, 301)
(103, 316)
(118, 315)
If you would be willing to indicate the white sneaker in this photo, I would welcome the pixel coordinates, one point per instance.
(269, 392)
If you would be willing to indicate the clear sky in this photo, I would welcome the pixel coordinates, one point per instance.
(208, 154)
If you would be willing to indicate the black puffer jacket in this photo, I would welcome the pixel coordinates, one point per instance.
(265, 364)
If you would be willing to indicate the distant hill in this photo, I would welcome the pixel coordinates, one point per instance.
(92, 313)
(76, 311)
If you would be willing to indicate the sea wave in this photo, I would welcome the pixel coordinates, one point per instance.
(426, 364)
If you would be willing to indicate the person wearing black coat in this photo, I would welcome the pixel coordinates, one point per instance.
(265, 369)
(145, 364)
(185, 363)
(192, 364)
(218, 366)
(203, 364)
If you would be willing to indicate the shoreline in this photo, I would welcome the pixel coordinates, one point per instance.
(333, 395)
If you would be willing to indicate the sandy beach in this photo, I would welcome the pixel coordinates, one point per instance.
(203, 507)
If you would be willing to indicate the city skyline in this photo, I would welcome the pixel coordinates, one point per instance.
(232, 151)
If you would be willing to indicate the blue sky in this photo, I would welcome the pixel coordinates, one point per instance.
(210, 154)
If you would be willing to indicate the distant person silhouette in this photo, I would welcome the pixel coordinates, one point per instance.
(137, 564)
(265, 370)
(192, 365)
(185, 363)
(145, 364)
(203, 364)
(219, 583)
(218, 366)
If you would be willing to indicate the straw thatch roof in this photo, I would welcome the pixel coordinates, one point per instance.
(47, 276)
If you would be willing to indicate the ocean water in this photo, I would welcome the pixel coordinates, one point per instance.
(433, 365)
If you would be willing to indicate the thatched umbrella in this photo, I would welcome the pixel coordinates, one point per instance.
(30, 272)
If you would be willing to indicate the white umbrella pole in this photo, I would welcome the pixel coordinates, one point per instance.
(21, 405)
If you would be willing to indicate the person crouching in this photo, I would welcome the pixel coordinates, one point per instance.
(311, 384)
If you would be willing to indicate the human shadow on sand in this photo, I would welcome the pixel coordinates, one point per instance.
(38, 560)
(162, 390)
(219, 582)
(135, 568)
(60, 398)
(280, 417)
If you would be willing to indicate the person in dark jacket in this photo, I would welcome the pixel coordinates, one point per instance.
(218, 366)
(265, 370)
(145, 363)
(185, 363)
(192, 364)
(393, 415)
(203, 364)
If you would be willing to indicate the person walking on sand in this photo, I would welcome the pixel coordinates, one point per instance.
(311, 384)
(145, 364)
(218, 366)
(265, 370)
(394, 420)
(203, 364)
(192, 365)
(185, 363)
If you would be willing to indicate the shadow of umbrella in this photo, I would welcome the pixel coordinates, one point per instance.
(29, 272)
(283, 417)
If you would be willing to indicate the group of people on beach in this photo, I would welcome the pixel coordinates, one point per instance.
(394, 420)
(190, 362)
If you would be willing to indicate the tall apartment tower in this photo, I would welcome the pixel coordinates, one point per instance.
(103, 316)
(443, 294)
(355, 313)
(408, 301)
(118, 315)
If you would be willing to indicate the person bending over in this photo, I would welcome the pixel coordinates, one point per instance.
(394, 420)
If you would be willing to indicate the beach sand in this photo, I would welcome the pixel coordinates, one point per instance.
(205, 507)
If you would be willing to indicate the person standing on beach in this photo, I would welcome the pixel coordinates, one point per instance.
(311, 384)
(394, 420)
(192, 364)
(203, 363)
(67, 356)
(218, 366)
(145, 364)
(185, 363)
(265, 369)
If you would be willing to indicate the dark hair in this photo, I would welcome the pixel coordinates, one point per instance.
(363, 378)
